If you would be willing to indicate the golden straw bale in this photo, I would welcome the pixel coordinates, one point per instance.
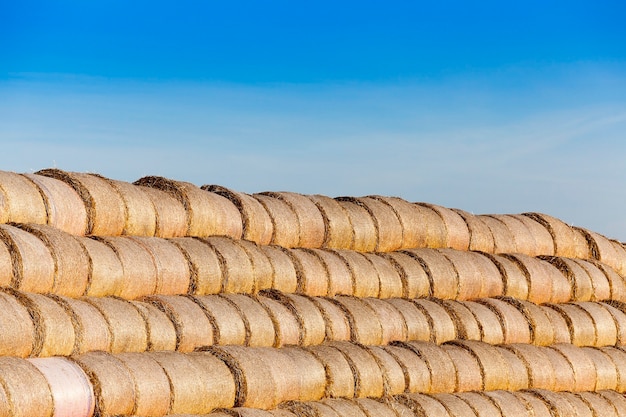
(170, 214)
(389, 278)
(27, 392)
(6, 264)
(491, 330)
(558, 404)
(440, 366)
(603, 250)
(508, 404)
(172, 268)
(64, 208)
(620, 256)
(562, 291)
(465, 322)
(415, 283)
(261, 265)
(607, 375)
(454, 405)
(579, 322)
(515, 327)
(339, 275)
(286, 327)
(393, 375)
(522, 236)
(160, 331)
(539, 367)
(286, 378)
(539, 282)
(544, 243)
(105, 274)
(540, 326)
(563, 237)
(616, 282)
(599, 405)
(285, 224)
(237, 272)
(492, 284)
(365, 279)
(457, 231)
(581, 408)
(469, 276)
(513, 281)
(618, 357)
(619, 318)
(493, 367)
(423, 405)
(580, 281)
(441, 323)
(534, 405)
(311, 371)
(388, 226)
(340, 381)
(339, 233)
(585, 374)
(312, 274)
(257, 224)
(564, 377)
(441, 273)
(603, 323)
(363, 225)
(417, 322)
(469, 375)
(19, 330)
(481, 238)
(206, 276)
(412, 221)
(481, 405)
(415, 370)
(285, 278)
(310, 318)
(368, 376)
(228, 323)
(560, 328)
(503, 239)
(519, 377)
(345, 407)
(614, 398)
(391, 320)
(599, 280)
(372, 407)
(337, 323)
(22, 200)
(259, 326)
(90, 328)
(127, 326)
(140, 214)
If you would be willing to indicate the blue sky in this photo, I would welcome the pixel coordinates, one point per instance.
(492, 107)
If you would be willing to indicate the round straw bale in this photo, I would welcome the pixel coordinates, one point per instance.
(515, 327)
(493, 367)
(599, 280)
(312, 274)
(454, 405)
(286, 325)
(517, 369)
(204, 265)
(23, 202)
(464, 321)
(375, 408)
(105, 273)
(152, 387)
(27, 392)
(140, 219)
(310, 319)
(540, 326)
(599, 405)
(619, 318)
(237, 272)
(412, 219)
(440, 366)
(390, 281)
(539, 367)
(261, 265)
(618, 357)
(534, 405)
(105, 208)
(64, 207)
(365, 325)
(393, 375)
(249, 412)
(312, 229)
(585, 374)
(481, 405)
(503, 239)
(539, 282)
(257, 224)
(441, 323)
(512, 281)
(90, 327)
(160, 330)
(415, 283)
(423, 405)
(340, 380)
(616, 282)
(228, 323)
(171, 218)
(277, 412)
(560, 328)
(601, 249)
(339, 275)
(140, 271)
(312, 373)
(71, 263)
(544, 243)
(468, 274)
(112, 382)
(31, 260)
(286, 377)
(337, 323)
(580, 281)
(18, 327)
(193, 328)
(564, 378)
(481, 238)
(259, 326)
(391, 320)
(443, 278)
(620, 256)
(285, 278)
(469, 375)
(415, 370)
(581, 247)
(492, 284)
(563, 237)
(363, 224)
(6, 264)
(524, 240)
(388, 227)
(615, 398)
(491, 330)
(172, 268)
(581, 408)
(417, 322)
(579, 322)
(508, 404)
(457, 231)
(344, 407)
(368, 375)
(339, 233)
(285, 224)
(603, 322)
(72, 393)
(365, 279)
(312, 409)
(607, 375)
(127, 326)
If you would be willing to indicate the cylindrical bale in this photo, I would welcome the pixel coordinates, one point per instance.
(152, 387)
(540, 326)
(513, 280)
(519, 377)
(603, 322)
(127, 326)
(619, 318)
(386, 222)
(423, 405)
(64, 208)
(412, 218)
(237, 272)
(491, 330)
(337, 323)
(285, 224)
(27, 392)
(6, 264)
(339, 275)
(285, 278)
(415, 283)
(481, 405)
(374, 408)
(443, 278)
(580, 281)
(339, 233)
(105, 208)
(193, 328)
(467, 327)
(469, 276)
(457, 231)
(534, 405)
(515, 327)
(368, 376)
(140, 218)
(393, 375)
(312, 229)
(481, 238)
(618, 357)
(562, 290)
(345, 407)
(23, 202)
(257, 224)
(562, 235)
(112, 382)
(19, 331)
(90, 328)
(340, 381)
(544, 243)
(493, 367)
(286, 377)
(503, 239)
(312, 274)
(140, 272)
(105, 271)
(580, 245)
(599, 280)
(564, 378)
(417, 322)
(312, 373)
(208, 214)
(581, 408)
(71, 263)
(539, 284)
(72, 393)
(560, 329)
(523, 239)
(579, 322)
(172, 268)
(389, 278)
(508, 404)
(171, 218)
(286, 325)
(615, 398)
(441, 323)
(229, 327)
(259, 326)
(585, 374)
(415, 370)
(442, 370)
(539, 367)
(616, 282)
(492, 284)
(32, 263)
(206, 276)
(365, 279)
(454, 405)
(391, 320)
(160, 330)
(620, 256)
(363, 225)
(294, 408)
(607, 374)
(261, 265)
(603, 250)
(598, 405)
(469, 375)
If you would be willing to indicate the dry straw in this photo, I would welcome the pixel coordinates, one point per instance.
(339, 233)
(257, 224)
(538, 365)
(418, 323)
(340, 380)
(423, 405)
(286, 377)
(373, 408)
(515, 327)
(615, 398)
(393, 375)
(493, 367)
(518, 371)
(140, 219)
(312, 409)
(513, 281)
(465, 322)
(540, 326)
(522, 236)
(363, 224)
(534, 404)
(391, 320)
(469, 276)
(441, 273)
(310, 318)
(19, 330)
(605, 326)
(481, 238)
(339, 275)
(6, 265)
(581, 408)
(599, 405)
(312, 274)
(172, 267)
(579, 322)
(440, 366)
(105, 273)
(365, 279)
(259, 326)
(503, 239)
(311, 371)
(90, 327)
(227, 321)
(585, 374)
(481, 405)
(564, 378)
(390, 281)
(160, 330)
(619, 318)
(22, 200)
(285, 278)
(618, 357)
(285, 225)
(457, 231)
(204, 265)
(171, 218)
(602, 249)
(560, 329)
(64, 208)
(492, 282)
(221, 389)
(25, 389)
(415, 283)
(285, 322)
(510, 405)
(345, 407)
(469, 375)
(389, 229)
(454, 405)
(414, 369)
(579, 279)
(365, 325)
(617, 284)
(415, 229)
(261, 265)
(151, 385)
(599, 280)
(607, 375)
(337, 323)
(490, 327)
(237, 272)
(562, 234)
(368, 376)
(544, 243)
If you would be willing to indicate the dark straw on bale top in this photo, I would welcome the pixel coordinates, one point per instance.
(20, 200)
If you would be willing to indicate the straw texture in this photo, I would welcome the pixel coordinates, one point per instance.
(25, 388)
(22, 201)
(363, 225)
(171, 218)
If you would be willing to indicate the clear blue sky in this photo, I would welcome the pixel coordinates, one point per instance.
(486, 106)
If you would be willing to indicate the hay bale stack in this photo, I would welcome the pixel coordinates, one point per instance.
(564, 377)
(618, 357)
(172, 268)
(205, 268)
(106, 214)
(261, 265)
(417, 322)
(581, 408)
(65, 209)
(518, 372)
(337, 323)
(105, 274)
(286, 377)
(601, 249)
(389, 229)
(616, 282)
(599, 405)
(599, 279)
(481, 238)
(285, 225)
(538, 365)
(90, 328)
(363, 225)
(607, 375)
(6, 264)
(510, 405)
(534, 404)
(540, 325)
(469, 276)
(515, 327)
(257, 223)
(21, 199)
(465, 322)
(503, 239)
(441, 273)
(457, 231)
(339, 276)
(579, 322)
(25, 389)
(227, 322)
(390, 281)
(513, 281)
(365, 279)
(340, 380)
(560, 328)
(415, 228)
(391, 320)
(523, 239)
(439, 320)
(469, 375)
(236, 267)
(480, 404)
(493, 367)
(338, 230)
(313, 279)
(606, 328)
(171, 218)
(414, 369)
(160, 330)
(545, 282)
(454, 405)
(544, 243)
(368, 376)
(619, 318)
(285, 278)
(615, 398)
(579, 278)
(492, 284)
(344, 407)
(414, 278)
(393, 375)
(563, 237)
(585, 374)
(19, 331)
(310, 318)
(259, 326)
(208, 214)
(313, 380)
(373, 407)
(491, 330)
(440, 366)
(140, 214)
(127, 326)
(286, 326)
(423, 405)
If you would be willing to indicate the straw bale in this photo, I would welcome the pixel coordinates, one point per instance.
(423, 405)
(365, 279)
(491, 330)
(601, 249)
(70, 259)
(441, 273)
(312, 274)
(286, 327)
(557, 403)
(390, 281)
(389, 230)
(469, 276)
(65, 209)
(31, 260)
(340, 380)
(518, 371)
(138, 264)
(415, 370)
(112, 382)
(337, 323)
(581, 408)
(457, 231)
(26, 391)
(580, 281)
(205, 270)
(469, 375)
(171, 218)
(540, 326)
(441, 324)
(616, 282)
(172, 268)
(127, 326)
(363, 224)
(286, 378)
(603, 322)
(522, 236)
(261, 265)
(513, 281)
(415, 283)
(339, 275)
(285, 277)
(599, 280)
(345, 407)
(619, 318)
(492, 284)
(543, 239)
(620, 256)
(539, 367)
(140, 214)
(6, 264)
(564, 378)
(312, 229)
(22, 201)
(368, 376)
(560, 329)
(295, 408)
(534, 405)
(374, 408)
(281, 413)
(579, 322)
(285, 224)
(19, 331)
(90, 328)
(508, 404)
(618, 357)
(237, 272)
(339, 233)
(582, 250)
(160, 331)
(503, 239)
(105, 273)
(259, 326)
(412, 221)
(454, 405)
(615, 398)
(585, 374)
(599, 405)
(310, 318)
(257, 224)
(199, 382)
(393, 375)
(439, 364)
(312, 373)
(481, 405)
(607, 375)
(417, 322)
(563, 236)
(228, 323)
(493, 367)
(515, 327)
(466, 325)
(562, 290)
(540, 284)
(391, 320)
(481, 238)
